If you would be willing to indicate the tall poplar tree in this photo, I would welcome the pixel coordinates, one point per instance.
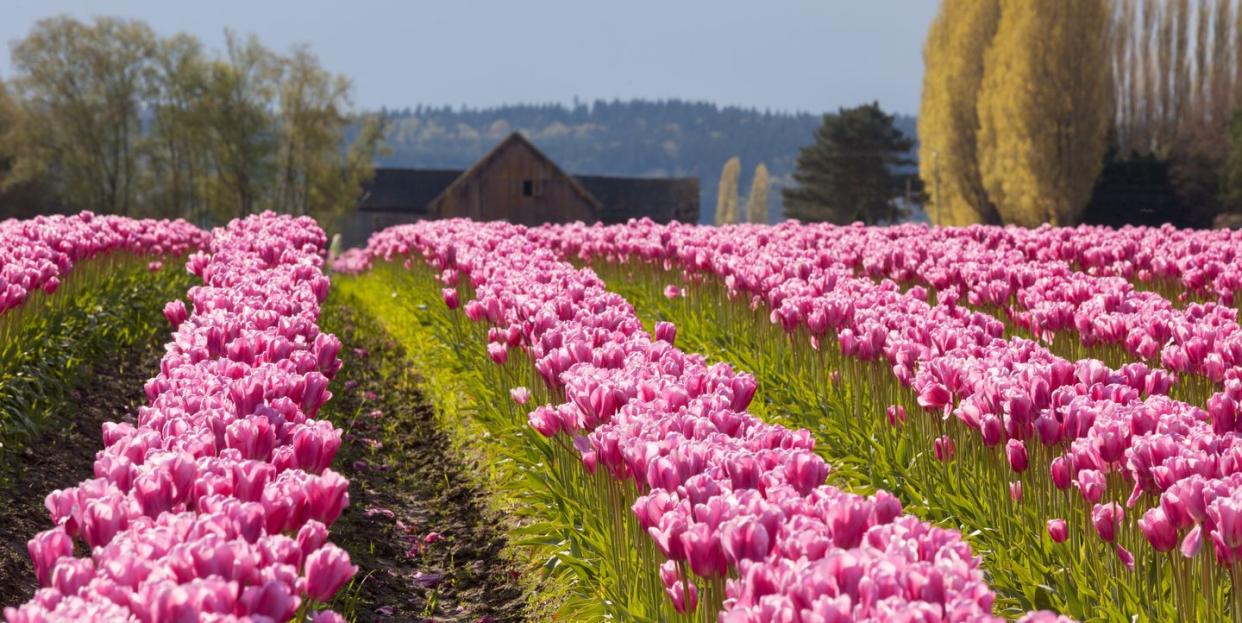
(948, 118)
(757, 200)
(726, 193)
(1045, 108)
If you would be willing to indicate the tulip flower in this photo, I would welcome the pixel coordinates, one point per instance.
(1106, 518)
(1058, 529)
(1015, 451)
(327, 570)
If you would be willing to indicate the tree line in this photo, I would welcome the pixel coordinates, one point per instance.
(108, 116)
(652, 138)
(1033, 108)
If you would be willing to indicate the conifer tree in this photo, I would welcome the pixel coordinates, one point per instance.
(849, 173)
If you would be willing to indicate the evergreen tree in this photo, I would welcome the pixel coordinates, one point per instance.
(757, 201)
(953, 60)
(726, 195)
(1045, 108)
(848, 174)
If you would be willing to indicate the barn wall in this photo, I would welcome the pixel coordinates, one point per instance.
(496, 192)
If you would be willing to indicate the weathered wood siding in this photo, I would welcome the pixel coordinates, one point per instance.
(518, 186)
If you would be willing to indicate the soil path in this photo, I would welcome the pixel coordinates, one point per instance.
(415, 525)
(64, 455)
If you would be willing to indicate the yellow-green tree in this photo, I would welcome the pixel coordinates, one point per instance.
(1045, 108)
(953, 58)
(757, 200)
(726, 194)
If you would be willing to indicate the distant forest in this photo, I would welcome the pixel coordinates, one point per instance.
(667, 138)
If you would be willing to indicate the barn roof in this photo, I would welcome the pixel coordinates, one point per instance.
(517, 141)
(661, 199)
(405, 190)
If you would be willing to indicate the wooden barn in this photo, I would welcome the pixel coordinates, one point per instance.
(517, 182)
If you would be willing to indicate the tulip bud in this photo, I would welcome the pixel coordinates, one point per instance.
(498, 353)
(520, 395)
(1058, 529)
(1106, 518)
(1015, 450)
(666, 332)
(1060, 469)
(1092, 484)
(176, 312)
(990, 427)
(944, 448)
(451, 298)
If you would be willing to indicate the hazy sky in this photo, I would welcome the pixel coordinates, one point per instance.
(811, 55)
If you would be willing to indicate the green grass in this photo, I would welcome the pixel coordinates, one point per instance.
(48, 344)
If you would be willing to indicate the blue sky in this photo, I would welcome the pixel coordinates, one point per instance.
(805, 55)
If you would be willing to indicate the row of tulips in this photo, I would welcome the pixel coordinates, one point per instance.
(215, 504)
(1142, 463)
(1011, 275)
(74, 289)
(736, 508)
(36, 254)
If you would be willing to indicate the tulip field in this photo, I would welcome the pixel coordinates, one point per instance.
(488, 422)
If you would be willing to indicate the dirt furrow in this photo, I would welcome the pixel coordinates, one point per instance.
(415, 525)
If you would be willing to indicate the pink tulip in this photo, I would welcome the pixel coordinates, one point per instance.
(1106, 518)
(1015, 451)
(498, 353)
(451, 298)
(315, 445)
(1060, 469)
(327, 496)
(703, 550)
(327, 616)
(545, 420)
(666, 332)
(944, 448)
(1158, 530)
(1091, 484)
(45, 549)
(327, 570)
(176, 312)
(520, 395)
(1058, 529)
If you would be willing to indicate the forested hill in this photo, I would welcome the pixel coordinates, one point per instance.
(635, 138)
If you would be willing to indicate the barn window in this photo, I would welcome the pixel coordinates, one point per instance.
(528, 188)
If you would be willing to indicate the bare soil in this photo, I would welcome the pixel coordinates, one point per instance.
(415, 525)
